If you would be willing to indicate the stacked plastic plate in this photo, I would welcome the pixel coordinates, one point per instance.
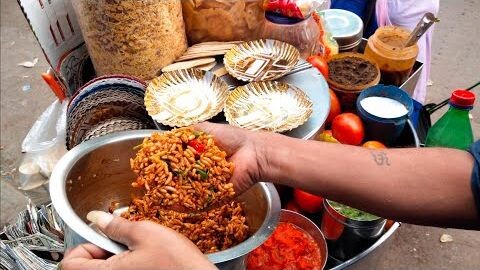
(106, 105)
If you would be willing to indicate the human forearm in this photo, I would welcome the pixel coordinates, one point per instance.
(423, 186)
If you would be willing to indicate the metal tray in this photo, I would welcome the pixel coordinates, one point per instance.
(364, 259)
(307, 79)
(315, 86)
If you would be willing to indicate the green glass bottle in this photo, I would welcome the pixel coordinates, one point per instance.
(453, 129)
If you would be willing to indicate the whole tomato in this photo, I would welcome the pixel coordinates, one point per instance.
(320, 63)
(348, 128)
(374, 145)
(331, 228)
(389, 224)
(308, 202)
(335, 108)
(293, 206)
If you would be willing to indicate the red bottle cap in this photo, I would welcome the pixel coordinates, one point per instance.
(462, 98)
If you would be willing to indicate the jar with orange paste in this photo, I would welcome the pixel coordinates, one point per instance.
(385, 47)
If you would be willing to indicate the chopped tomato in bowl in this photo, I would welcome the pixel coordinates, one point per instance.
(296, 244)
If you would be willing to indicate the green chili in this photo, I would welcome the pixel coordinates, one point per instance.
(209, 198)
(203, 174)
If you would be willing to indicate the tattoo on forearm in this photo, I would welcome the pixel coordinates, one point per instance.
(380, 158)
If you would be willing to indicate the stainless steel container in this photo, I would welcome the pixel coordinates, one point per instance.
(345, 27)
(308, 226)
(347, 237)
(96, 173)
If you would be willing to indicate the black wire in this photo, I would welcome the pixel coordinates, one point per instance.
(434, 108)
(473, 86)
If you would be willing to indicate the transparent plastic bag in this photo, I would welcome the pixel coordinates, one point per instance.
(44, 145)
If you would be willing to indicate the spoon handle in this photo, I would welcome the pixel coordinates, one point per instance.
(427, 20)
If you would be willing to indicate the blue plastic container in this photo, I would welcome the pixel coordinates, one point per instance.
(385, 130)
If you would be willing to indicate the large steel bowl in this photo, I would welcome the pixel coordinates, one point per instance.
(96, 173)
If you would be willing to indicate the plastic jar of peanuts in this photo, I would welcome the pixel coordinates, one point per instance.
(136, 38)
(222, 20)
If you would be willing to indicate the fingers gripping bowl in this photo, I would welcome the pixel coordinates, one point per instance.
(97, 173)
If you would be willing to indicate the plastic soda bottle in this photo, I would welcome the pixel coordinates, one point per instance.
(453, 129)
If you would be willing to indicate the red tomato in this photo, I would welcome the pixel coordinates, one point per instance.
(320, 63)
(308, 202)
(389, 224)
(293, 206)
(331, 228)
(197, 145)
(335, 108)
(348, 128)
(374, 145)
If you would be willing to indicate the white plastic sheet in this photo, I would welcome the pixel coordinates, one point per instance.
(44, 144)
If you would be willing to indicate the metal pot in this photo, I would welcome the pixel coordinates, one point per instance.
(345, 27)
(348, 237)
(96, 173)
(304, 223)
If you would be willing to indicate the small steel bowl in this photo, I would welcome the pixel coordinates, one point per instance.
(185, 97)
(348, 237)
(309, 227)
(345, 27)
(97, 173)
(261, 60)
